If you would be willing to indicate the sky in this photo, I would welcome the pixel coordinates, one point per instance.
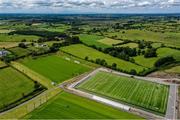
(89, 6)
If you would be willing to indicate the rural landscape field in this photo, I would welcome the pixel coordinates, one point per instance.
(78, 65)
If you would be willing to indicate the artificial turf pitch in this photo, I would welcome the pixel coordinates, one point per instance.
(144, 94)
(68, 106)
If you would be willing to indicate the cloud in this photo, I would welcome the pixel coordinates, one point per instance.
(88, 4)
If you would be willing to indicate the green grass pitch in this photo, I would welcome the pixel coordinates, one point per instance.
(13, 85)
(144, 94)
(55, 67)
(68, 106)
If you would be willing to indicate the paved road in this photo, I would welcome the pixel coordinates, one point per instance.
(172, 102)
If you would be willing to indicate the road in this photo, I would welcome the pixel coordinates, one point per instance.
(172, 103)
(171, 108)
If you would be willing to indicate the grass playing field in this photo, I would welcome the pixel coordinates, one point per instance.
(55, 68)
(83, 51)
(147, 95)
(13, 85)
(68, 106)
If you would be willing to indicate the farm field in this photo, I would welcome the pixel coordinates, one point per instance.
(68, 106)
(5, 31)
(17, 38)
(144, 94)
(13, 85)
(2, 64)
(55, 67)
(93, 40)
(8, 44)
(19, 52)
(131, 45)
(167, 38)
(161, 52)
(175, 69)
(83, 51)
(109, 41)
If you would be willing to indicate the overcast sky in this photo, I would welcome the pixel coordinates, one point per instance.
(89, 6)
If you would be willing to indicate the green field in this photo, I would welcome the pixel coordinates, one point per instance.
(83, 51)
(175, 70)
(131, 45)
(2, 64)
(8, 44)
(161, 52)
(19, 52)
(168, 38)
(68, 106)
(109, 41)
(55, 68)
(93, 40)
(147, 95)
(17, 38)
(5, 31)
(13, 85)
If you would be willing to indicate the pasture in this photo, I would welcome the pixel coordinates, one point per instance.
(17, 38)
(2, 64)
(54, 67)
(109, 41)
(13, 85)
(175, 70)
(82, 51)
(131, 45)
(168, 38)
(68, 106)
(19, 52)
(8, 44)
(161, 52)
(143, 94)
(93, 40)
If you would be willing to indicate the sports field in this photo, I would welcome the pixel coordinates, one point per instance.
(83, 51)
(144, 94)
(68, 106)
(55, 68)
(13, 85)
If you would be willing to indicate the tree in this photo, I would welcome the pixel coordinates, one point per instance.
(163, 61)
(133, 72)
(114, 66)
(151, 52)
(22, 45)
(86, 58)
